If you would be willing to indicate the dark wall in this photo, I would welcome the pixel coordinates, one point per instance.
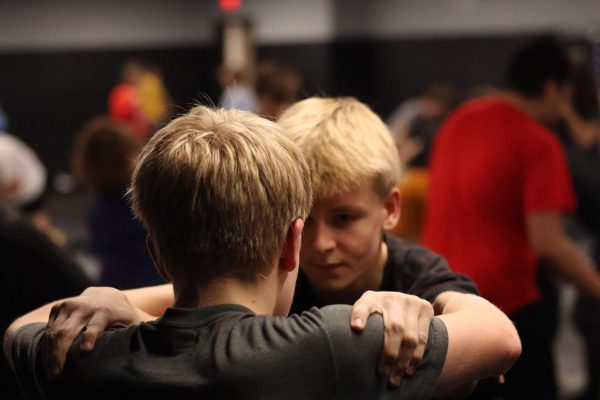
(49, 95)
(406, 67)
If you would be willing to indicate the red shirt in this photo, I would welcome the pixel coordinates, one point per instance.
(491, 165)
(123, 105)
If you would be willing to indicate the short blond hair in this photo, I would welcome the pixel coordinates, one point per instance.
(218, 191)
(344, 143)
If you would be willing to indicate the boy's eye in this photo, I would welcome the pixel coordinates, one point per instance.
(341, 219)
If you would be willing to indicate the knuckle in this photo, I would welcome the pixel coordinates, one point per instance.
(93, 325)
(396, 328)
(368, 295)
(64, 333)
(426, 307)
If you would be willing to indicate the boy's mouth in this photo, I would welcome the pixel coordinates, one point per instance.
(327, 266)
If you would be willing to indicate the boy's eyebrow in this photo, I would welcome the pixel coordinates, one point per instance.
(347, 209)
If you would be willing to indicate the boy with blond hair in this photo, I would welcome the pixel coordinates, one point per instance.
(355, 169)
(345, 254)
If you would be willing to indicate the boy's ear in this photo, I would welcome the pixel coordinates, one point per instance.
(391, 203)
(290, 253)
(156, 260)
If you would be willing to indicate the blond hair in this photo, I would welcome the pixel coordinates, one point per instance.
(344, 143)
(218, 190)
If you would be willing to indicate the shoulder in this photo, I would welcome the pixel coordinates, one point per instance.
(113, 344)
(409, 256)
(416, 270)
(320, 326)
(476, 109)
(24, 356)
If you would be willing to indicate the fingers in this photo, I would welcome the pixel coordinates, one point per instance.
(406, 334)
(407, 348)
(394, 333)
(58, 339)
(406, 322)
(361, 310)
(423, 336)
(97, 324)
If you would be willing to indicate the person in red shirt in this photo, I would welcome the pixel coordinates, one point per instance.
(125, 104)
(499, 184)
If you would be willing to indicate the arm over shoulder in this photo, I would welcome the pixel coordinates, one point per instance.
(356, 356)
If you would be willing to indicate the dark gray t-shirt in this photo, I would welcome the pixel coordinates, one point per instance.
(226, 351)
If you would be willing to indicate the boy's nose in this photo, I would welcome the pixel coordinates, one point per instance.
(324, 239)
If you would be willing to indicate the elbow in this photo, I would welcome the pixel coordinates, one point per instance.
(509, 350)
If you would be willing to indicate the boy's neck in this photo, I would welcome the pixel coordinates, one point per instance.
(370, 280)
(259, 296)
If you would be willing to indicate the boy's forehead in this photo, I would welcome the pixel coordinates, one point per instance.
(363, 195)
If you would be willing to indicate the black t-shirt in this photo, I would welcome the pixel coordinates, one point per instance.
(227, 352)
(409, 269)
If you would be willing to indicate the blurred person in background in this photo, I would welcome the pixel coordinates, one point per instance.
(416, 120)
(578, 130)
(499, 185)
(34, 268)
(236, 92)
(23, 184)
(103, 161)
(277, 88)
(125, 104)
(154, 97)
(414, 125)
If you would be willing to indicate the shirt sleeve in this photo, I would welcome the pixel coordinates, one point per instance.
(26, 363)
(356, 356)
(547, 185)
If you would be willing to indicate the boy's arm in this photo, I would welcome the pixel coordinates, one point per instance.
(89, 314)
(482, 340)
(38, 315)
(152, 300)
